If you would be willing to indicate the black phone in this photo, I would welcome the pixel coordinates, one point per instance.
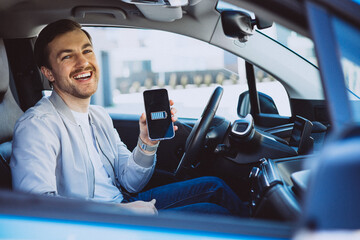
(158, 115)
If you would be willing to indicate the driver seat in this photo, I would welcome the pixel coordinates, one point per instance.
(9, 113)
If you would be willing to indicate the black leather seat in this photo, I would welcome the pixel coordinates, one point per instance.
(9, 113)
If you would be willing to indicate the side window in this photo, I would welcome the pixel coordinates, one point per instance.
(348, 38)
(272, 94)
(132, 60)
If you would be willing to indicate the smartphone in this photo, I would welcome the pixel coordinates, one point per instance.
(158, 115)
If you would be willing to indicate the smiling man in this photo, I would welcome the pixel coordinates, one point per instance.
(71, 67)
(66, 147)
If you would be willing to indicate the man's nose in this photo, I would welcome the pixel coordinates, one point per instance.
(81, 61)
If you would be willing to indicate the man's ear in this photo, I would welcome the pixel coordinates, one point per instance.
(48, 73)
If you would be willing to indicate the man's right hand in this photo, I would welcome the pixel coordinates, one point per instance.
(141, 207)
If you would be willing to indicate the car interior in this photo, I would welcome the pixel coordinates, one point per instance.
(262, 156)
(10, 113)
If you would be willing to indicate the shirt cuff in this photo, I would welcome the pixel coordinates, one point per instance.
(143, 159)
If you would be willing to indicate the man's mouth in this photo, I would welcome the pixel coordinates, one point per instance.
(83, 76)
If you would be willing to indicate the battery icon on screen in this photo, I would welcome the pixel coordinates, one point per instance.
(158, 115)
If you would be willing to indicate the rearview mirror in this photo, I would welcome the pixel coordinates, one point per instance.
(240, 25)
(267, 104)
(237, 24)
(262, 23)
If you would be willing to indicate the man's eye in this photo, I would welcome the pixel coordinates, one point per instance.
(65, 57)
(87, 51)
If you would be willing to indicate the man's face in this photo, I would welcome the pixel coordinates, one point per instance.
(74, 70)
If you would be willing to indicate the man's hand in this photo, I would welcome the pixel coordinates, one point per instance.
(141, 207)
(143, 127)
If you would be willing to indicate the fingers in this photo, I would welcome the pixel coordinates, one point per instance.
(143, 128)
(153, 201)
(142, 207)
(171, 104)
(143, 118)
(174, 118)
(151, 207)
(173, 114)
(173, 111)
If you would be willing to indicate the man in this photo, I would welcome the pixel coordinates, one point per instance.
(63, 146)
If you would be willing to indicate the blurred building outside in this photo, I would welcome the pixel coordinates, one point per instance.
(133, 60)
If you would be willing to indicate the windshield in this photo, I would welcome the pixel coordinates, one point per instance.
(301, 45)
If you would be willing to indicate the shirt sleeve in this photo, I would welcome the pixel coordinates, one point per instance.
(134, 169)
(33, 159)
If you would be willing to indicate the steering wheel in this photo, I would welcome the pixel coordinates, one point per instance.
(196, 138)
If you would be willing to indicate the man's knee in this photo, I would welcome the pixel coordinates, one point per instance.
(215, 182)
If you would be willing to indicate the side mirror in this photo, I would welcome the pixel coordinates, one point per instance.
(267, 104)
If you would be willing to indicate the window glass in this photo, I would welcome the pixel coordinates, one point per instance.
(133, 60)
(349, 43)
(267, 84)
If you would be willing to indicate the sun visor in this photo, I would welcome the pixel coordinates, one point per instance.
(160, 10)
(161, 13)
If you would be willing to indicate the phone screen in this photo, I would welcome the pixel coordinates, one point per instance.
(158, 115)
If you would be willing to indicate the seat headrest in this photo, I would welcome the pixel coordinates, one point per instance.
(9, 109)
(4, 69)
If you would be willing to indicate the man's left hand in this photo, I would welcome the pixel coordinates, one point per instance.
(143, 127)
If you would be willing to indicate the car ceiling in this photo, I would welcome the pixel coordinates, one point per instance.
(25, 18)
(17, 16)
(17, 21)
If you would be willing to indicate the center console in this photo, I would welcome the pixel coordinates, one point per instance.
(273, 194)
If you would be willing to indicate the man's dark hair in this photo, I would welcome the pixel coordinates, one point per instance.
(51, 31)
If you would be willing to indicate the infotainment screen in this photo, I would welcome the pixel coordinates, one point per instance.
(300, 136)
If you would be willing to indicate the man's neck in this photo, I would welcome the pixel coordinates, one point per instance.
(76, 104)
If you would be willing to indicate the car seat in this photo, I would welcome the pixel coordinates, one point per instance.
(9, 113)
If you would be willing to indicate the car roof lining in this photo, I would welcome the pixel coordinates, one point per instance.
(95, 13)
(18, 22)
(14, 13)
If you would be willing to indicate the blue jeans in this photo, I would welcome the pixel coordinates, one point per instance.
(209, 195)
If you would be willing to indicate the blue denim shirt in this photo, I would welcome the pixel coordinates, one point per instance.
(49, 152)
